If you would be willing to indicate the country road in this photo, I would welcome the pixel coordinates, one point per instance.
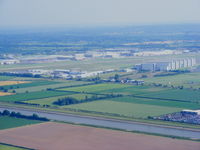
(109, 123)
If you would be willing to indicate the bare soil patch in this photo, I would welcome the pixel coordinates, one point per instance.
(5, 93)
(59, 136)
(3, 83)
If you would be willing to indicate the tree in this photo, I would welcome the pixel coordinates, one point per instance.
(116, 78)
(6, 113)
(66, 101)
(13, 114)
(35, 116)
(5, 90)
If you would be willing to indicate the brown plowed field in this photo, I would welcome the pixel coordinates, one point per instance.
(2, 83)
(58, 136)
(5, 93)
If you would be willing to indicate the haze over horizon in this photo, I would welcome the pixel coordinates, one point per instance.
(95, 12)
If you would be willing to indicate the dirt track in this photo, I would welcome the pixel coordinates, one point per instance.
(58, 136)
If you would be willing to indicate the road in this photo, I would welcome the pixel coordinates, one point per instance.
(109, 123)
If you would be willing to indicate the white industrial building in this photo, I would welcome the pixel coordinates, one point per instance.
(167, 66)
(9, 61)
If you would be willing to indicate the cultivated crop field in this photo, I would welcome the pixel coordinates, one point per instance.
(187, 80)
(97, 88)
(31, 96)
(50, 100)
(4, 78)
(167, 103)
(5, 93)
(51, 85)
(26, 84)
(2, 83)
(48, 136)
(8, 147)
(125, 109)
(11, 122)
(107, 99)
(140, 91)
(183, 95)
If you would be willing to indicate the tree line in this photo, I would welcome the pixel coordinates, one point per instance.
(72, 100)
(19, 115)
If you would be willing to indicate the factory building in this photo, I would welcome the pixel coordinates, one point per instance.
(167, 66)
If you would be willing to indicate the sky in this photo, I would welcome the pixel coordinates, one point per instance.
(97, 12)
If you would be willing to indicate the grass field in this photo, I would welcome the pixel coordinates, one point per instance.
(11, 122)
(186, 105)
(134, 90)
(50, 100)
(97, 88)
(27, 84)
(126, 109)
(144, 91)
(184, 95)
(8, 147)
(136, 101)
(187, 80)
(5, 78)
(31, 96)
(52, 86)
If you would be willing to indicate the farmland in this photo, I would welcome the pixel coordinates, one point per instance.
(52, 85)
(47, 136)
(4, 78)
(9, 147)
(97, 88)
(167, 103)
(50, 100)
(183, 95)
(31, 96)
(141, 91)
(11, 122)
(117, 99)
(5, 93)
(25, 84)
(2, 83)
(125, 109)
(186, 80)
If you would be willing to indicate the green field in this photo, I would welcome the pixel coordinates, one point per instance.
(143, 91)
(134, 90)
(187, 80)
(126, 109)
(9, 147)
(31, 96)
(27, 85)
(186, 105)
(97, 88)
(5, 78)
(175, 94)
(50, 100)
(11, 122)
(52, 86)
(137, 102)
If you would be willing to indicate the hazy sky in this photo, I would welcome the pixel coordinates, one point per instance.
(97, 12)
